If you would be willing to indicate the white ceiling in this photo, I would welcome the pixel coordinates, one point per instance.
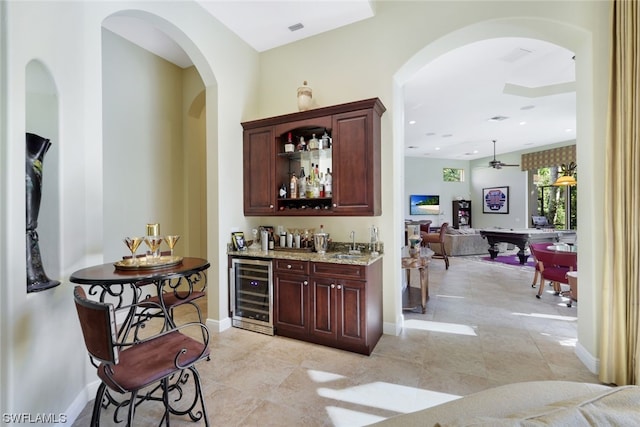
(530, 82)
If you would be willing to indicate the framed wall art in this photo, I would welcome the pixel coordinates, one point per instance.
(495, 200)
(237, 238)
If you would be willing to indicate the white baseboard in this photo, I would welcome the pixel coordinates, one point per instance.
(592, 363)
(77, 406)
(393, 328)
(219, 325)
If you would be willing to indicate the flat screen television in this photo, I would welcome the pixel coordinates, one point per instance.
(424, 204)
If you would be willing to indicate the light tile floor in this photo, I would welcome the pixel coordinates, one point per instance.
(483, 327)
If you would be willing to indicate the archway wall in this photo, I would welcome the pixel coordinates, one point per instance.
(384, 51)
(68, 43)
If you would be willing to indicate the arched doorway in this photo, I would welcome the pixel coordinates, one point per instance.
(154, 141)
(573, 39)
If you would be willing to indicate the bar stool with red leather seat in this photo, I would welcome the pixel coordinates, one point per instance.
(554, 267)
(128, 367)
(535, 247)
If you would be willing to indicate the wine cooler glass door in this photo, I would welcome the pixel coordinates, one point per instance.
(252, 295)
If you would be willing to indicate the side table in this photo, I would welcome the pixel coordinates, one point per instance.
(421, 262)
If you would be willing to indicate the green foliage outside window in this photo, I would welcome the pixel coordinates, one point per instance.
(551, 200)
(452, 175)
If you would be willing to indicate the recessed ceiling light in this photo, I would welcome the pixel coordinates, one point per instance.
(412, 122)
(447, 135)
(568, 130)
(296, 27)
(475, 151)
(412, 146)
(430, 133)
(437, 148)
(498, 118)
(523, 123)
(528, 107)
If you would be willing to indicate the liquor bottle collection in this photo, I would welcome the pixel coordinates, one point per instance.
(311, 184)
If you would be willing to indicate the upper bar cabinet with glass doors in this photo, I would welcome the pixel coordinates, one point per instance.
(353, 157)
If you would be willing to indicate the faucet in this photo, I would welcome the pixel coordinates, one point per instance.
(353, 249)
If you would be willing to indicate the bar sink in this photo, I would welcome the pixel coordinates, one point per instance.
(347, 256)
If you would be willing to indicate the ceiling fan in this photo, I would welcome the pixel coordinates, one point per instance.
(497, 164)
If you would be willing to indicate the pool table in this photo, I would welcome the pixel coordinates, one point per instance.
(521, 238)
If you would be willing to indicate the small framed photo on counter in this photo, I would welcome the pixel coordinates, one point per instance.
(237, 238)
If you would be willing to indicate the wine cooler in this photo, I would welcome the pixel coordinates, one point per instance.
(252, 295)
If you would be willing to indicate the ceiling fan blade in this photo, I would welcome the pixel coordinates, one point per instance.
(497, 164)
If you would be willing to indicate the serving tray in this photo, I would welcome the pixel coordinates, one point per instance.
(142, 263)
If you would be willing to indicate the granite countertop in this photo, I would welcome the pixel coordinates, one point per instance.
(335, 257)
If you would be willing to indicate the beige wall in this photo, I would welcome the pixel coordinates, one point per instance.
(368, 59)
(42, 351)
(374, 57)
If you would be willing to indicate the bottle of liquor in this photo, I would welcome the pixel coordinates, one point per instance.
(293, 186)
(326, 140)
(302, 184)
(282, 193)
(289, 147)
(321, 184)
(328, 181)
(313, 142)
(302, 146)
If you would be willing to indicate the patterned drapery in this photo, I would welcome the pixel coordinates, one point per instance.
(547, 158)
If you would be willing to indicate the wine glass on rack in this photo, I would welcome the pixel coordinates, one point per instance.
(153, 243)
(171, 241)
(133, 243)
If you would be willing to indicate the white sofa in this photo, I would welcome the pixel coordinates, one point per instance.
(555, 403)
(463, 242)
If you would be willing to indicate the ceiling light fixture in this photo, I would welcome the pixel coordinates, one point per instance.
(497, 118)
(567, 178)
(412, 122)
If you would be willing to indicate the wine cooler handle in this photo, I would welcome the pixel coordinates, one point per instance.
(232, 279)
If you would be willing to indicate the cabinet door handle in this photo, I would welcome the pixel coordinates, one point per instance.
(289, 266)
(305, 283)
(339, 286)
(333, 286)
(270, 206)
(335, 205)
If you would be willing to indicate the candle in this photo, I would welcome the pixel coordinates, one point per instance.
(153, 229)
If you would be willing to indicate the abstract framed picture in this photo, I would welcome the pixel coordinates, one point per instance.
(495, 200)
